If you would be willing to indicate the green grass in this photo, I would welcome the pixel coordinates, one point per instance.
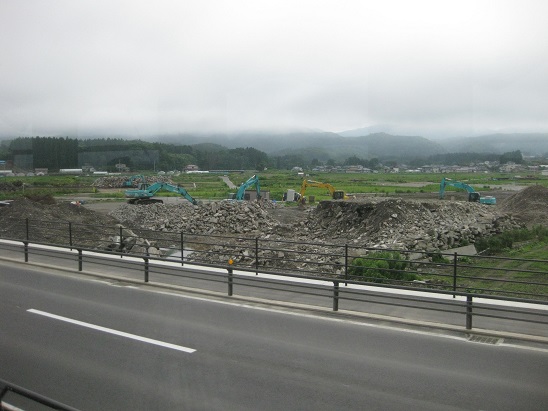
(519, 271)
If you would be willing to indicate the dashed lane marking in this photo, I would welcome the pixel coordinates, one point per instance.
(115, 332)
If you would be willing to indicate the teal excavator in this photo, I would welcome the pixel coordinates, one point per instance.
(145, 192)
(473, 195)
(252, 181)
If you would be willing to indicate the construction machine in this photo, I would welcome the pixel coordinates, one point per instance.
(145, 192)
(335, 194)
(132, 180)
(473, 195)
(252, 181)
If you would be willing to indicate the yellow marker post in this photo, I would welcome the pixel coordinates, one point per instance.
(230, 262)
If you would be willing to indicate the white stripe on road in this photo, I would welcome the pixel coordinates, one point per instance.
(115, 332)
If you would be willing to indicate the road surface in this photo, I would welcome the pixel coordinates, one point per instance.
(93, 345)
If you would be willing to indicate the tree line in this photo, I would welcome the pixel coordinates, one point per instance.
(58, 152)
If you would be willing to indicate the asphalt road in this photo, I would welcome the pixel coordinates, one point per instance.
(96, 346)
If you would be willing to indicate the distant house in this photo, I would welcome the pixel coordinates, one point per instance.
(192, 167)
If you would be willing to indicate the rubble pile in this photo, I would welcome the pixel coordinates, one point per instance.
(408, 225)
(381, 223)
(118, 181)
(222, 217)
(131, 243)
(290, 237)
(529, 205)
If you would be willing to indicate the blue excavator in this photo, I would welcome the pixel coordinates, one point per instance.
(473, 195)
(252, 181)
(145, 193)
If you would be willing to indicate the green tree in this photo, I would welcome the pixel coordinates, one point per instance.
(511, 157)
(354, 161)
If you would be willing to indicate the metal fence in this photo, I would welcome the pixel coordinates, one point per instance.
(14, 397)
(334, 274)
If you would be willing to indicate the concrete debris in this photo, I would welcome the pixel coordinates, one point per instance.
(223, 217)
(378, 223)
(407, 225)
(131, 243)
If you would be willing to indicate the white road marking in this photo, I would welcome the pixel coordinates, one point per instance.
(115, 332)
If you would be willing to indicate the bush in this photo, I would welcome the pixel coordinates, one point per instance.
(380, 267)
(504, 242)
(438, 258)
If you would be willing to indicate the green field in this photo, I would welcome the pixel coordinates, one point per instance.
(210, 186)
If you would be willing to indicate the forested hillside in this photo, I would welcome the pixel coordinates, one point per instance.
(286, 151)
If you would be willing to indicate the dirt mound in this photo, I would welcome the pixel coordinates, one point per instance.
(530, 205)
(47, 219)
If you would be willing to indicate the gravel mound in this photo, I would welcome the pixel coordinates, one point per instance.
(530, 205)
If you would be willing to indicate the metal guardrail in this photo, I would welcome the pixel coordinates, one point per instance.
(331, 276)
(12, 404)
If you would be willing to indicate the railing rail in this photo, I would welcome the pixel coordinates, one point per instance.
(7, 404)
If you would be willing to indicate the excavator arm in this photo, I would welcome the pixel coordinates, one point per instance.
(181, 191)
(335, 194)
(253, 180)
(145, 192)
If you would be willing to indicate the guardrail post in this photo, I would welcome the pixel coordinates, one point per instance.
(26, 243)
(335, 296)
(182, 249)
(346, 263)
(26, 251)
(146, 268)
(230, 278)
(469, 312)
(454, 274)
(79, 259)
(121, 242)
(256, 255)
(70, 235)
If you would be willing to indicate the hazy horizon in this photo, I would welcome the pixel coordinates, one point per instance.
(139, 69)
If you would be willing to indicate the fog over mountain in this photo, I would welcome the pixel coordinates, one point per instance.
(138, 69)
(325, 145)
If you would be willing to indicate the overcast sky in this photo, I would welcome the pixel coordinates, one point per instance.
(79, 67)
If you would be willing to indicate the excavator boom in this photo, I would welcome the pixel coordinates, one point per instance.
(145, 192)
(253, 180)
(335, 194)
